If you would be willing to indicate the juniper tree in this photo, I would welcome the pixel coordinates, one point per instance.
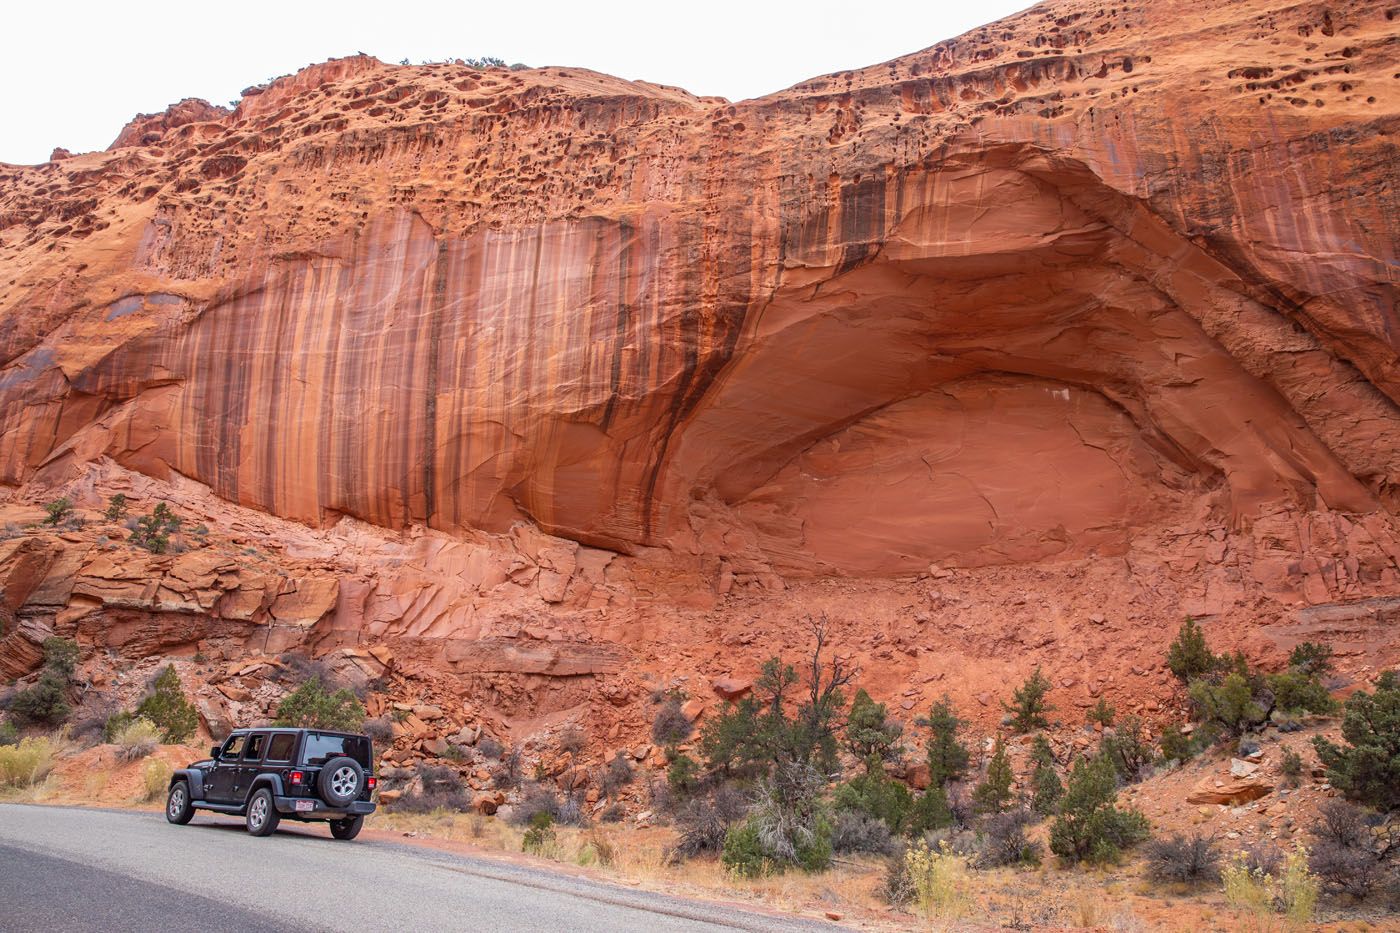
(1028, 706)
(1046, 789)
(870, 735)
(993, 794)
(947, 757)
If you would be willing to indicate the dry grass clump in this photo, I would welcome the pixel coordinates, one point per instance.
(27, 763)
(137, 739)
(155, 779)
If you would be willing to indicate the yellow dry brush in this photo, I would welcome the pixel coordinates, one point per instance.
(940, 882)
(1293, 894)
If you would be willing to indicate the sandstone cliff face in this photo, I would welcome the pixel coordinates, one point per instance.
(1085, 282)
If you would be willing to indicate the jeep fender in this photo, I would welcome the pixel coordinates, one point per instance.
(193, 778)
(271, 781)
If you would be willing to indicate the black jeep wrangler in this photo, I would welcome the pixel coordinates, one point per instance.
(266, 774)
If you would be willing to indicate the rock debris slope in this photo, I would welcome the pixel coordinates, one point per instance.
(526, 372)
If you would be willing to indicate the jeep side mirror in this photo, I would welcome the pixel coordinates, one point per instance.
(214, 751)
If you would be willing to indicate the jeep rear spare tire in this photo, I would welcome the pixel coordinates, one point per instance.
(341, 781)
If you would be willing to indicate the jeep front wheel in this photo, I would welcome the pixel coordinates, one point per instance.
(341, 781)
(177, 805)
(262, 814)
(347, 828)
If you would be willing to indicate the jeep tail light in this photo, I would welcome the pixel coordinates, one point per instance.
(370, 782)
(295, 778)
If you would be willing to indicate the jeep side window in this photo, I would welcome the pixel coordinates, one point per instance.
(280, 748)
(255, 747)
(233, 747)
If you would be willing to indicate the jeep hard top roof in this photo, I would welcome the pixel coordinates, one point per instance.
(352, 735)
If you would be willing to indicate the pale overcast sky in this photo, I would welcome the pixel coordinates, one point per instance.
(73, 73)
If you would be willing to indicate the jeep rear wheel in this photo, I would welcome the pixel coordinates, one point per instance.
(262, 814)
(341, 781)
(347, 828)
(177, 804)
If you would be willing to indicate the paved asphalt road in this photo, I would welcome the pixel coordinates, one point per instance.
(77, 870)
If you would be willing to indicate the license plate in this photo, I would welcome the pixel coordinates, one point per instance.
(303, 805)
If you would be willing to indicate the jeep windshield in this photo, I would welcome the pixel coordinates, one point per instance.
(323, 746)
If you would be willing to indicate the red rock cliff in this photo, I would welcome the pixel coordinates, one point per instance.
(1001, 299)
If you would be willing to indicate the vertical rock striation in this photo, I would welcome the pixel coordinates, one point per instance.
(1018, 296)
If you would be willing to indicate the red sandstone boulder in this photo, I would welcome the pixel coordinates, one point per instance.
(731, 688)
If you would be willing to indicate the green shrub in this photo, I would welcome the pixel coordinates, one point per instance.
(137, 739)
(1189, 657)
(791, 819)
(1028, 706)
(683, 774)
(1311, 658)
(930, 811)
(1229, 704)
(312, 706)
(814, 855)
(1127, 747)
(743, 854)
(1046, 789)
(993, 794)
(27, 763)
(785, 719)
(115, 724)
(9, 735)
(947, 756)
(875, 794)
(870, 735)
(1090, 827)
(60, 656)
(59, 511)
(168, 709)
(1102, 714)
(1367, 768)
(1291, 767)
(1176, 745)
(116, 508)
(1298, 692)
(540, 838)
(46, 701)
(735, 740)
(153, 531)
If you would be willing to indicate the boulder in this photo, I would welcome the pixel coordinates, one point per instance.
(1233, 792)
(488, 802)
(731, 688)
